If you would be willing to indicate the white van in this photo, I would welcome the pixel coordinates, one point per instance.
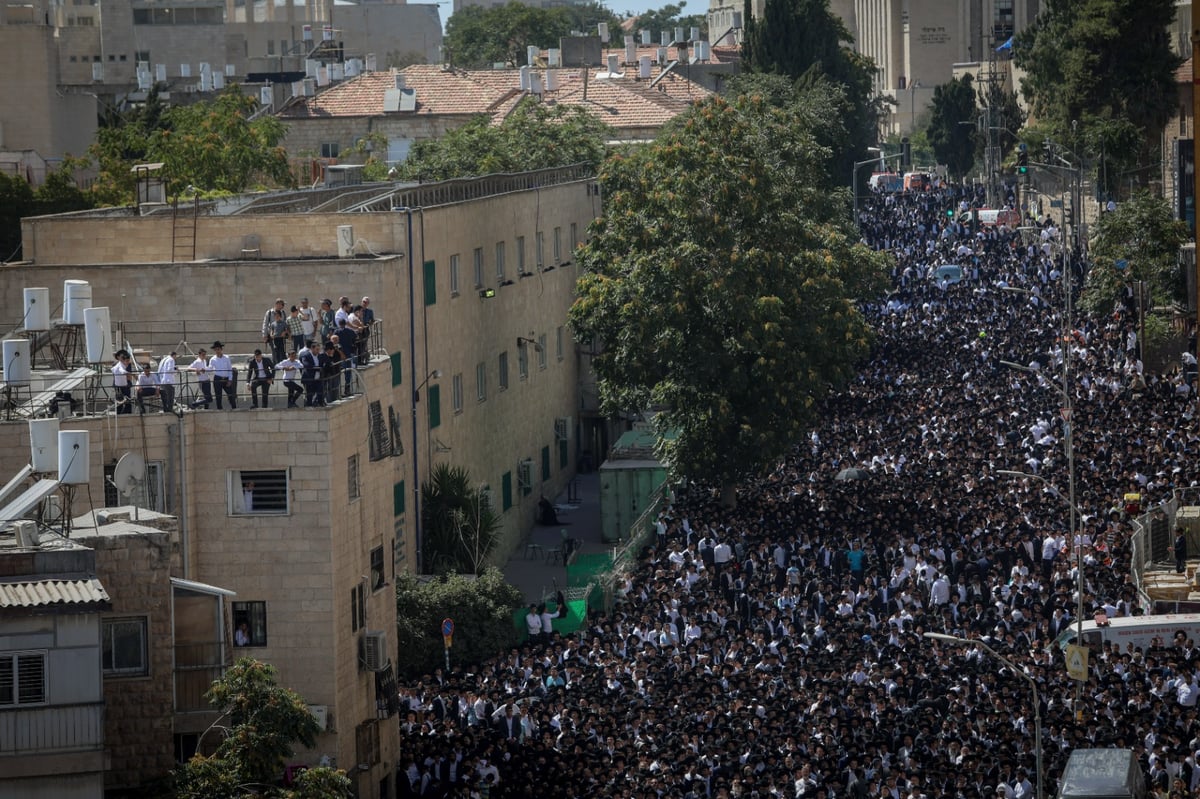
(1141, 631)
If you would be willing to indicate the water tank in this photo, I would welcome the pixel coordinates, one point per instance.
(77, 295)
(16, 361)
(97, 328)
(74, 457)
(37, 309)
(43, 445)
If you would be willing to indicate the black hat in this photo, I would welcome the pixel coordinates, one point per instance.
(218, 344)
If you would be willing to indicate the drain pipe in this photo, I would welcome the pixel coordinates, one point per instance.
(412, 368)
(184, 528)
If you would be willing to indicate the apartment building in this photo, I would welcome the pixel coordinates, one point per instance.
(306, 515)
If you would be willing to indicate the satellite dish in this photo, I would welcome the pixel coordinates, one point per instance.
(129, 473)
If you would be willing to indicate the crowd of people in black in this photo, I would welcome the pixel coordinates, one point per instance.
(777, 649)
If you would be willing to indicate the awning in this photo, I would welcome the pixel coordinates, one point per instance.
(200, 588)
(48, 593)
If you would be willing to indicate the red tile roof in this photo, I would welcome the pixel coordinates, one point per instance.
(1184, 73)
(625, 102)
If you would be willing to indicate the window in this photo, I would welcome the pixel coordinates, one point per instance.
(454, 275)
(379, 437)
(433, 396)
(574, 236)
(503, 371)
(398, 149)
(456, 392)
(22, 678)
(330, 149)
(397, 369)
(478, 255)
(142, 56)
(352, 485)
(522, 361)
(378, 575)
(541, 351)
(520, 255)
(499, 262)
(558, 342)
(366, 742)
(121, 57)
(123, 643)
(506, 491)
(430, 282)
(557, 246)
(358, 607)
(254, 616)
(545, 463)
(270, 47)
(398, 498)
(481, 381)
(258, 492)
(540, 244)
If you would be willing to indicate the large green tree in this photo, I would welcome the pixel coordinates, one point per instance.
(952, 125)
(212, 146)
(479, 36)
(668, 18)
(720, 285)
(534, 136)
(1095, 69)
(460, 525)
(482, 609)
(1138, 241)
(262, 723)
(804, 37)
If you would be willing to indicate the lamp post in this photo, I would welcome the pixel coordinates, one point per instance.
(912, 105)
(1037, 705)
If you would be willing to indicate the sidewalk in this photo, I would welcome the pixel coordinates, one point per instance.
(537, 575)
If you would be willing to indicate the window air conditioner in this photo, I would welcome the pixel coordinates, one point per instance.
(374, 650)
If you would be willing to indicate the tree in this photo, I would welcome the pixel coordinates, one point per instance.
(482, 609)
(802, 38)
(213, 146)
(266, 722)
(478, 36)
(952, 125)
(16, 201)
(460, 526)
(1097, 63)
(1138, 241)
(668, 18)
(534, 136)
(721, 284)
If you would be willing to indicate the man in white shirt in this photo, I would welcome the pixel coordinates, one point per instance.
(290, 367)
(121, 382)
(308, 319)
(166, 382)
(203, 379)
(222, 371)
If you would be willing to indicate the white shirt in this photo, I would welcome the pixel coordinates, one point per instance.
(221, 366)
(308, 319)
(120, 375)
(166, 371)
(200, 367)
(534, 621)
(291, 369)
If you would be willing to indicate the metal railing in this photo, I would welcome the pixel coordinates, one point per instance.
(57, 728)
(1149, 542)
(197, 666)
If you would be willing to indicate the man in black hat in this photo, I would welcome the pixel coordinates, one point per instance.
(222, 370)
(122, 381)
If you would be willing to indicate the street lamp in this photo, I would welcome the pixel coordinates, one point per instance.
(1037, 705)
(912, 104)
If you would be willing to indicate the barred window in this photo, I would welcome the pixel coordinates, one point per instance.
(258, 492)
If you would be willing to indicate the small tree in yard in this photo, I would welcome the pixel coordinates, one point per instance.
(482, 609)
(265, 724)
(460, 526)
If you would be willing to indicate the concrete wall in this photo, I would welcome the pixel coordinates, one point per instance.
(37, 116)
(386, 28)
(305, 136)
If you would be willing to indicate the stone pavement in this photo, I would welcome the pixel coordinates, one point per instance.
(534, 569)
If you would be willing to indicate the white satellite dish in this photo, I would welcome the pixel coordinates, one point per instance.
(129, 473)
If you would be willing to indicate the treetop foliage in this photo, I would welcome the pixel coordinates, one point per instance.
(952, 125)
(1140, 240)
(479, 36)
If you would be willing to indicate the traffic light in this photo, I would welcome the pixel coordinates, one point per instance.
(1022, 160)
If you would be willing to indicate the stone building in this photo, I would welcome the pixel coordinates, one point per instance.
(472, 365)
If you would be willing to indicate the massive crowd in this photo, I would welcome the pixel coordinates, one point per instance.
(776, 650)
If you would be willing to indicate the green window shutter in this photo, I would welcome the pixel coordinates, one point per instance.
(433, 395)
(430, 282)
(398, 497)
(506, 491)
(397, 369)
(545, 463)
(562, 454)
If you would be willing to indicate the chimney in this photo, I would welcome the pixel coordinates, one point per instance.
(644, 67)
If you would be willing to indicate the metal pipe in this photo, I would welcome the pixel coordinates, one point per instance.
(412, 366)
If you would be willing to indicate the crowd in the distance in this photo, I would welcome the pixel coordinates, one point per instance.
(311, 351)
(776, 649)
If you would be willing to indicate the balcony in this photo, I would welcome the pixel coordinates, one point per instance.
(197, 666)
(47, 730)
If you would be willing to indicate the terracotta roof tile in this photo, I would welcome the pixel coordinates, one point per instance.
(1184, 73)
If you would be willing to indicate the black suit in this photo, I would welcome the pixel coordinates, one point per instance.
(260, 377)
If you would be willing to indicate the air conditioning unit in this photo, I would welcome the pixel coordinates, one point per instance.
(321, 714)
(562, 429)
(525, 474)
(27, 534)
(374, 651)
